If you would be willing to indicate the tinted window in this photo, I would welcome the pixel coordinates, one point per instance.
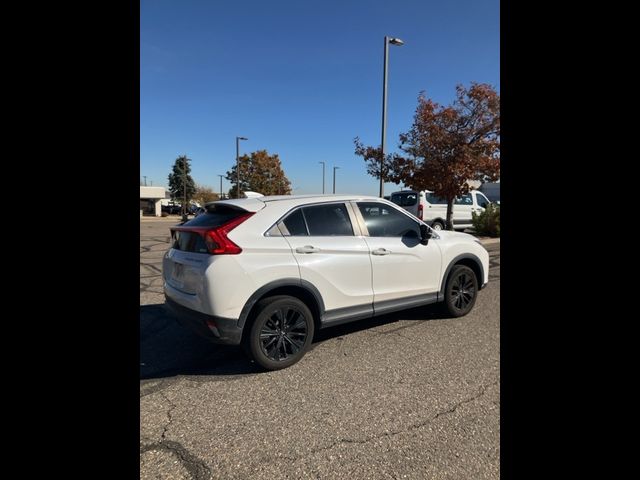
(385, 221)
(189, 242)
(215, 216)
(482, 200)
(493, 195)
(332, 219)
(405, 199)
(432, 199)
(464, 200)
(295, 224)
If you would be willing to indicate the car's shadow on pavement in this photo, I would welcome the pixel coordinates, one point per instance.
(168, 349)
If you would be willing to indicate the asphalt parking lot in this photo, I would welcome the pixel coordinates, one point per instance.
(407, 395)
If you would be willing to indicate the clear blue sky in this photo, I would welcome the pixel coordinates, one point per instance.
(299, 78)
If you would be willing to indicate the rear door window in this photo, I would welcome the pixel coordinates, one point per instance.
(294, 224)
(328, 220)
(433, 200)
(318, 220)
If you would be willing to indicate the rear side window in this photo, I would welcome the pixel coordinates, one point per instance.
(318, 220)
(433, 200)
(295, 225)
(405, 199)
(328, 220)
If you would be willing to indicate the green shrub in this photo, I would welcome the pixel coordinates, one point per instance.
(487, 223)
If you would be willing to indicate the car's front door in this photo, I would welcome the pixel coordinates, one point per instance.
(480, 202)
(331, 257)
(404, 270)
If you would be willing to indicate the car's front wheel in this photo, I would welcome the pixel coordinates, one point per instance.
(461, 291)
(280, 333)
(437, 225)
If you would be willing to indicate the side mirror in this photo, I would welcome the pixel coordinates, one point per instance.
(425, 234)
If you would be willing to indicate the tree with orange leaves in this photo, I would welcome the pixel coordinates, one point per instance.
(446, 146)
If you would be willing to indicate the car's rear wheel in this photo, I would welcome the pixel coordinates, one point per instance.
(280, 333)
(461, 291)
(437, 225)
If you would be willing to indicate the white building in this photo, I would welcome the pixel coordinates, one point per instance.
(150, 198)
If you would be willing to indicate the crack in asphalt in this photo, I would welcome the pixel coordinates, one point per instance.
(481, 392)
(196, 467)
(395, 331)
(171, 409)
(157, 387)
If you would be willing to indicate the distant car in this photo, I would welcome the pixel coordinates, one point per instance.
(172, 209)
(433, 210)
(491, 191)
(199, 211)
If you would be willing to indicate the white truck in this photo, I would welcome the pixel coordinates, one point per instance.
(433, 210)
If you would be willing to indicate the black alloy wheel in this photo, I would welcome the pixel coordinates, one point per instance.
(281, 332)
(461, 291)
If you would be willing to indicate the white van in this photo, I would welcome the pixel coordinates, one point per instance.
(433, 210)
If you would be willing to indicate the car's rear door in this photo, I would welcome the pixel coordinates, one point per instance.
(332, 256)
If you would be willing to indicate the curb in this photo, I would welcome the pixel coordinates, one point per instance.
(488, 240)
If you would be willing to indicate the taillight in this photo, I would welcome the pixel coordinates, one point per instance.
(217, 241)
(420, 211)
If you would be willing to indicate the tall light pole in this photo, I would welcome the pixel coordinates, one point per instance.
(322, 177)
(238, 161)
(184, 183)
(221, 185)
(334, 178)
(387, 41)
(145, 180)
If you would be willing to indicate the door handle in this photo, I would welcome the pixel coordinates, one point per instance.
(307, 249)
(380, 251)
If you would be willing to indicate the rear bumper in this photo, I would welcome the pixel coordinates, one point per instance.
(217, 329)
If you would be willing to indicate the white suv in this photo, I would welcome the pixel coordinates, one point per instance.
(267, 272)
(433, 210)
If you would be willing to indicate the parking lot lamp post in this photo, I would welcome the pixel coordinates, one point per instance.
(334, 178)
(387, 41)
(322, 177)
(184, 189)
(221, 186)
(238, 162)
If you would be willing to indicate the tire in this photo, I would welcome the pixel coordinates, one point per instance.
(459, 301)
(273, 347)
(437, 225)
